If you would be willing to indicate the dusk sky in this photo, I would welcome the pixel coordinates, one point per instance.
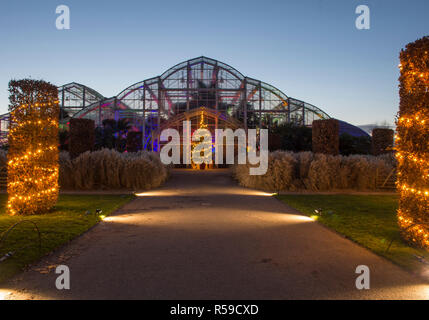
(309, 49)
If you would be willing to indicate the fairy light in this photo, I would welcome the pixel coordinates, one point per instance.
(206, 152)
(412, 143)
(33, 147)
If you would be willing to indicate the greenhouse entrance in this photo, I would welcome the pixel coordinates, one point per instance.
(200, 118)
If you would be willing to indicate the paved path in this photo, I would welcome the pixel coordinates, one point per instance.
(203, 237)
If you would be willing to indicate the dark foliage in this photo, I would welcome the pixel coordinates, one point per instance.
(64, 140)
(112, 135)
(82, 136)
(325, 137)
(382, 141)
(291, 137)
(134, 141)
(354, 145)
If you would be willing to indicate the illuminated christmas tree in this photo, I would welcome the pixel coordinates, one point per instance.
(202, 149)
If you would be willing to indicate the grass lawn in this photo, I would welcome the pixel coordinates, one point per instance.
(66, 221)
(369, 220)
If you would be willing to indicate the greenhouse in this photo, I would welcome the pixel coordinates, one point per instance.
(187, 91)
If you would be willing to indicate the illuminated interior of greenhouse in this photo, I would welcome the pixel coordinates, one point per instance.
(191, 89)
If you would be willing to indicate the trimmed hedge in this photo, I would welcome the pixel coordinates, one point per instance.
(413, 143)
(382, 141)
(32, 180)
(326, 137)
(81, 136)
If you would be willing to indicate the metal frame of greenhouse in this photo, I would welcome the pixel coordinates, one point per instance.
(200, 86)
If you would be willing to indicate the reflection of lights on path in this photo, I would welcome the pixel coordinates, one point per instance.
(206, 191)
(290, 218)
(157, 217)
(157, 194)
(301, 218)
(144, 194)
(424, 273)
(419, 290)
(260, 193)
(4, 294)
(426, 290)
(18, 294)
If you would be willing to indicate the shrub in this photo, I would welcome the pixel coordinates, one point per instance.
(354, 145)
(292, 137)
(112, 134)
(32, 184)
(413, 143)
(3, 159)
(325, 136)
(274, 142)
(64, 140)
(316, 172)
(82, 136)
(278, 177)
(134, 141)
(104, 137)
(382, 141)
(109, 169)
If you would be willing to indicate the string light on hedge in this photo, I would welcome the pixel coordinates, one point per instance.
(409, 224)
(414, 157)
(33, 152)
(412, 121)
(412, 143)
(407, 188)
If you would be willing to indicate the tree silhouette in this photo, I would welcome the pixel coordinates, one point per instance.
(112, 134)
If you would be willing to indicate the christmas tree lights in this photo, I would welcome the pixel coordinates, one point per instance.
(412, 143)
(201, 148)
(33, 147)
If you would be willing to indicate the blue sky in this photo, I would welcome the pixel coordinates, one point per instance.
(310, 49)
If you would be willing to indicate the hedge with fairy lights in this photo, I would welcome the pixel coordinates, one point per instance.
(32, 182)
(412, 143)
